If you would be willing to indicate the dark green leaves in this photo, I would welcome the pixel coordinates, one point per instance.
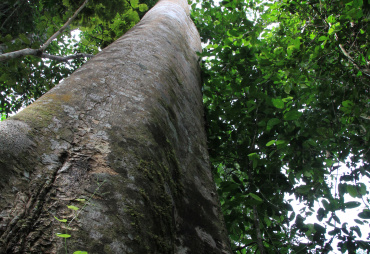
(365, 214)
(352, 204)
(292, 115)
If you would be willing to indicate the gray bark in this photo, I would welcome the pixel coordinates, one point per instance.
(131, 117)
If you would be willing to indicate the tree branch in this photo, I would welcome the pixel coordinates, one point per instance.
(65, 58)
(40, 52)
(18, 53)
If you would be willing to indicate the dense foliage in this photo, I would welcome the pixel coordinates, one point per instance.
(286, 92)
(287, 98)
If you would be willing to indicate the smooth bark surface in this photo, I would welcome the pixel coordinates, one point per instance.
(131, 117)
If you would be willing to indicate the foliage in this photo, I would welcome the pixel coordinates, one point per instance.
(30, 23)
(286, 90)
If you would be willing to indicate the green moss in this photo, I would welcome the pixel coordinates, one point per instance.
(40, 113)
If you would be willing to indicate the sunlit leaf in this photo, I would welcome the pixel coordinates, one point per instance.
(278, 103)
(63, 235)
(61, 220)
(75, 208)
(256, 197)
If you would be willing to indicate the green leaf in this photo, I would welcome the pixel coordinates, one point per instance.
(292, 115)
(80, 252)
(255, 197)
(319, 228)
(287, 89)
(278, 50)
(66, 3)
(323, 38)
(73, 207)
(358, 221)
(331, 19)
(278, 103)
(334, 232)
(24, 38)
(63, 235)
(352, 204)
(337, 220)
(351, 189)
(253, 156)
(365, 214)
(134, 3)
(303, 189)
(347, 103)
(143, 7)
(280, 142)
(325, 204)
(236, 179)
(61, 220)
(271, 142)
(272, 122)
(357, 230)
(362, 189)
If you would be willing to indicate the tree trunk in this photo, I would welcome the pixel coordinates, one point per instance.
(131, 121)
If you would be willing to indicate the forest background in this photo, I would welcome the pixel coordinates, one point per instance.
(286, 92)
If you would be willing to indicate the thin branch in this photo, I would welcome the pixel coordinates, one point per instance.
(65, 58)
(40, 52)
(46, 44)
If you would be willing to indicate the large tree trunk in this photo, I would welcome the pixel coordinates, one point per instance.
(132, 119)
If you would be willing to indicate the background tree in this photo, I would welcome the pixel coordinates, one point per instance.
(124, 134)
(284, 106)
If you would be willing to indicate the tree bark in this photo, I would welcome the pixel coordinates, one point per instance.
(131, 118)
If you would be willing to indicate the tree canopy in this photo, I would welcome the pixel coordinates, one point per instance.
(286, 93)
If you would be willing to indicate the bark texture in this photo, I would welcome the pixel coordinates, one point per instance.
(132, 117)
